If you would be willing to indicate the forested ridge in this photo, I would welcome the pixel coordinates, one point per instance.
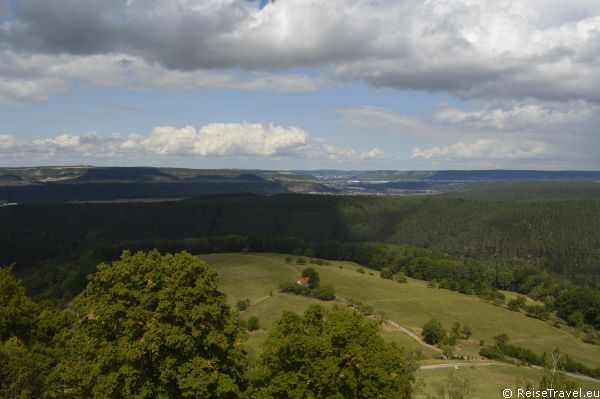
(562, 236)
(549, 250)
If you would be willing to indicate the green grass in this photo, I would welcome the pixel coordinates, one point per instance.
(257, 276)
(489, 381)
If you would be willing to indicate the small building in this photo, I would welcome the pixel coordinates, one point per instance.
(304, 282)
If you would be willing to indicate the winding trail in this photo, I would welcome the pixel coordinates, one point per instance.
(417, 338)
(459, 364)
(411, 334)
(399, 327)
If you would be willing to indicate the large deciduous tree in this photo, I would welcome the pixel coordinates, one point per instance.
(150, 326)
(330, 354)
(23, 363)
(18, 313)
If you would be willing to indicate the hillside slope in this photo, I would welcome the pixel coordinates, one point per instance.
(257, 277)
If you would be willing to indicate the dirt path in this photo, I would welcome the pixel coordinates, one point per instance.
(400, 328)
(259, 300)
(578, 376)
(458, 364)
(412, 335)
(484, 364)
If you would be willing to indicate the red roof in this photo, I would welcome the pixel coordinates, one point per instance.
(304, 280)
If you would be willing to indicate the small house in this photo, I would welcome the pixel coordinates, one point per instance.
(304, 282)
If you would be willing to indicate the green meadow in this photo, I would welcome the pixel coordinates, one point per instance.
(257, 277)
(488, 381)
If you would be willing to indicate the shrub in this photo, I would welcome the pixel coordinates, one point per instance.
(466, 287)
(491, 353)
(492, 295)
(361, 271)
(387, 273)
(466, 332)
(449, 284)
(400, 278)
(252, 324)
(516, 304)
(367, 310)
(447, 350)
(324, 293)
(243, 304)
(433, 332)
(537, 311)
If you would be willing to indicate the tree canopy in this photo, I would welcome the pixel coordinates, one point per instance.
(18, 312)
(333, 353)
(150, 326)
(433, 332)
(23, 360)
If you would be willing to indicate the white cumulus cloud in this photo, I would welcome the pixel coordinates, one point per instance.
(220, 139)
(216, 140)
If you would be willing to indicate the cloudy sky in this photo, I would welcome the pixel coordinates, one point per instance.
(369, 84)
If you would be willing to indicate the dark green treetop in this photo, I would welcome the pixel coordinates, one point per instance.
(433, 332)
(18, 313)
(330, 354)
(150, 326)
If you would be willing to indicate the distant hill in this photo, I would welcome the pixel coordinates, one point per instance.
(90, 184)
(7, 179)
(479, 175)
(100, 191)
(80, 183)
(124, 174)
(452, 175)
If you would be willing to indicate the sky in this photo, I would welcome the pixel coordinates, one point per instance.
(301, 84)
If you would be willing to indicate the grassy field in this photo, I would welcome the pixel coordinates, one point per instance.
(488, 381)
(257, 276)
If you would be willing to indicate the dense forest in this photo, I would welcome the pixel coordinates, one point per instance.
(561, 236)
